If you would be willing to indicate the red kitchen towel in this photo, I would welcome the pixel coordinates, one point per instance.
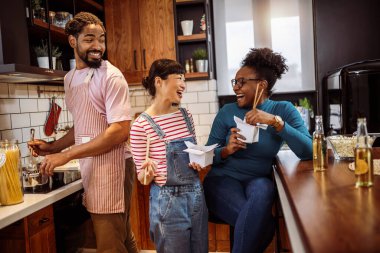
(52, 119)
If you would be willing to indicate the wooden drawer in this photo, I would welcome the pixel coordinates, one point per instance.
(40, 220)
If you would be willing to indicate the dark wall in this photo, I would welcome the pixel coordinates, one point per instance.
(345, 31)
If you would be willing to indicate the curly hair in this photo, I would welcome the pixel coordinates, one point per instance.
(82, 19)
(161, 68)
(268, 65)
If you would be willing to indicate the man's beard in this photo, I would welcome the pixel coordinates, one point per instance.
(93, 63)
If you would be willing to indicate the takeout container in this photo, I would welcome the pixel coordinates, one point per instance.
(203, 155)
(250, 132)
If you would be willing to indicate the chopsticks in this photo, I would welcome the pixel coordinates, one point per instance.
(257, 99)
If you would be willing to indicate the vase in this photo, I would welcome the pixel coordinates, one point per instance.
(201, 65)
(187, 27)
(43, 62)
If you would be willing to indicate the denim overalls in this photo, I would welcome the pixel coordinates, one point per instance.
(178, 214)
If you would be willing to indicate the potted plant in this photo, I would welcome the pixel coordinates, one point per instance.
(42, 53)
(200, 57)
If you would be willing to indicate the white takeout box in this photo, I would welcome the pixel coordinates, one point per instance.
(250, 132)
(203, 155)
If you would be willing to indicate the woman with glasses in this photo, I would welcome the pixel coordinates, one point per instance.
(177, 209)
(239, 189)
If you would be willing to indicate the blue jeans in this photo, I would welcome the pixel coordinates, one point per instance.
(178, 219)
(245, 205)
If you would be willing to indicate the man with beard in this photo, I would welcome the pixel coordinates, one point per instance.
(97, 95)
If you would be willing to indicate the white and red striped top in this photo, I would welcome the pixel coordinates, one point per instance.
(173, 125)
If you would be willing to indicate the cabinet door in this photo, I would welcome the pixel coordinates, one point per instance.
(156, 31)
(123, 37)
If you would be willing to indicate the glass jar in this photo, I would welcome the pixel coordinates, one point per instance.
(10, 174)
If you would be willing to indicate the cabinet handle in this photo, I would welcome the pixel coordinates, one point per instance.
(144, 58)
(43, 220)
(134, 58)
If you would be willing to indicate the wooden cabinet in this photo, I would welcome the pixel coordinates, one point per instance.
(33, 234)
(138, 33)
(200, 39)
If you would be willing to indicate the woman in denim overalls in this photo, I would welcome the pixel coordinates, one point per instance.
(178, 213)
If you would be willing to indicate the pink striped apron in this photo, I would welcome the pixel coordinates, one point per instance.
(102, 175)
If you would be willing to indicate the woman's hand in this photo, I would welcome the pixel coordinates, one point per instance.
(234, 144)
(196, 166)
(146, 175)
(255, 116)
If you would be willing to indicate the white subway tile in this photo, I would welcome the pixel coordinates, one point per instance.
(137, 93)
(42, 133)
(141, 101)
(5, 122)
(190, 97)
(202, 130)
(202, 140)
(20, 120)
(196, 86)
(4, 93)
(26, 136)
(28, 105)
(18, 90)
(186, 106)
(38, 119)
(9, 106)
(196, 119)
(212, 85)
(32, 90)
(200, 108)
(135, 110)
(207, 96)
(206, 119)
(214, 107)
(132, 101)
(43, 105)
(14, 134)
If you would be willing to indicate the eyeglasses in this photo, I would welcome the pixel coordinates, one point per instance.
(241, 81)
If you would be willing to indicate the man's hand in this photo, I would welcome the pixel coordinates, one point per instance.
(234, 144)
(40, 147)
(52, 161)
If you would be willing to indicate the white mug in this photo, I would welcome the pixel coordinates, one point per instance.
(187, 27)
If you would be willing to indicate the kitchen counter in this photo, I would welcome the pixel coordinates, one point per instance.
(323, 211)
(35, 202)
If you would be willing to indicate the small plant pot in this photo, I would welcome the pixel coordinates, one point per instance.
(201, 65)
(43, 62)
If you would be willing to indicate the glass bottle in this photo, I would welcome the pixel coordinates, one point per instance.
(319, 146)
(10, 174)
(187, 66)
(363, 156)
(191, 65)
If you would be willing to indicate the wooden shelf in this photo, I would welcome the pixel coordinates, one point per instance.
(56, 31)
(191, 38)
(180, 2)
(97, 6)
(194, 75)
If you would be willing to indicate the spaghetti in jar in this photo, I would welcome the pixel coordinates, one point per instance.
(10, 174)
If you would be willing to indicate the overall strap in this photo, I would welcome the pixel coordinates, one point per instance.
(155, 127)
(187, 120)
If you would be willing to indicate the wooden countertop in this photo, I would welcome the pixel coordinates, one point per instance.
(324, 212)
(35, 202)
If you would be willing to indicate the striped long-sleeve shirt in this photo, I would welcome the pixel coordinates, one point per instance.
(173, 125)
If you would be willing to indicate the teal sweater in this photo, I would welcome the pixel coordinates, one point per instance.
(256, 160)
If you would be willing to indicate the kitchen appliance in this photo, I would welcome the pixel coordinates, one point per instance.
(62, 175)
(350, 92)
